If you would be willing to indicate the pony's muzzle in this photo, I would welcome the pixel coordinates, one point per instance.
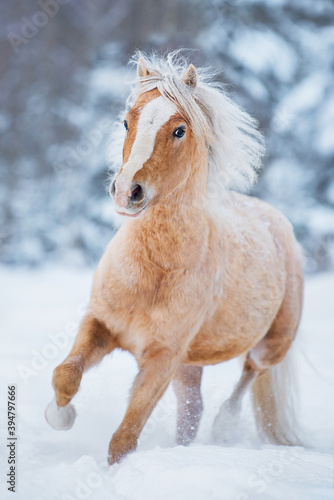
(128, 199)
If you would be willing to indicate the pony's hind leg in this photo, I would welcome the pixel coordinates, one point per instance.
(267, 373)
(92, 343)
(187, 387)
(226, 425)
(260, 359)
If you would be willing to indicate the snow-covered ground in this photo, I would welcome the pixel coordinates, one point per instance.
(39, 314)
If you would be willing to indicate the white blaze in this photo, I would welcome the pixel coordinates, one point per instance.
(152, 117)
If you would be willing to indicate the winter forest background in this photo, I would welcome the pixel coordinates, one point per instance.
(63, 72)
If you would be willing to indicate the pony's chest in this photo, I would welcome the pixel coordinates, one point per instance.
(144, 305)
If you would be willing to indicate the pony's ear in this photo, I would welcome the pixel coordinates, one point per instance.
(142, 71)
(190, 77)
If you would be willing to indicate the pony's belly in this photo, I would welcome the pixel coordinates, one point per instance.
(205, 351)
(230, 333)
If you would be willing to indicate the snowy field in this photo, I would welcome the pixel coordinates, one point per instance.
(39, 314)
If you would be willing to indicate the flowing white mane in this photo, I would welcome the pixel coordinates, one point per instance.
(233, 140)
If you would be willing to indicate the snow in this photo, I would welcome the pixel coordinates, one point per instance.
(305, 96)
(40, 313)
(61, 419)
(325, 143)
(264, 51)
(107, 80)
(286, 176)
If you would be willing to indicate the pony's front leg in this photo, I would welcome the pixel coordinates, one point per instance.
(157, 367)
(93, 341)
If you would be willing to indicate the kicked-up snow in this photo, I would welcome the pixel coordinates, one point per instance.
(40, 311)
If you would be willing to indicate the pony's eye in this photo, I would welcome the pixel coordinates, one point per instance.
(179, 132)
(125, 123)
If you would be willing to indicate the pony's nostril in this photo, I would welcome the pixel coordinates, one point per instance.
(137, 193)
(113, 188)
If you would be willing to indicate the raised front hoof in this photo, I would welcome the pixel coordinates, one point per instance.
(61, 418)
(66, 380)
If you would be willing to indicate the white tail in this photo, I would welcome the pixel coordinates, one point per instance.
(274, 398)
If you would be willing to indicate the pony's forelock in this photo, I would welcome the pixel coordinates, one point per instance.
(235, 145)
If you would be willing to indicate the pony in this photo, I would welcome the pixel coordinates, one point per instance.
(198, 273)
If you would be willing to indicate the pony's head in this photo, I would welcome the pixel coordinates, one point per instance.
(157, 148)
(178, 125)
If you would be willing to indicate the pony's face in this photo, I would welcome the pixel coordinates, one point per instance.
(157, 154)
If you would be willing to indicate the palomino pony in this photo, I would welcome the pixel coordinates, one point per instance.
(197, 274)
